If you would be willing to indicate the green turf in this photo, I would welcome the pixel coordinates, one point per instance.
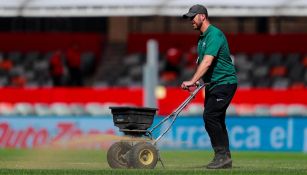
(80, 162)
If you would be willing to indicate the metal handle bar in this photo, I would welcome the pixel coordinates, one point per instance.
(175, 113)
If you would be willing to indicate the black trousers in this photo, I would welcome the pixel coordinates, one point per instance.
(216, 103)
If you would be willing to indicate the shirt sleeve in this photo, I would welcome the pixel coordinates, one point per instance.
(213, 45)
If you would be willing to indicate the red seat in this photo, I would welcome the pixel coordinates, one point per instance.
(297, 85)
(305, 61)
(278, 71)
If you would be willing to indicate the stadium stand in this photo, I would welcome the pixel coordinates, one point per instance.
(269, 53)
(274, 70)
(102, 109)
(253, 71)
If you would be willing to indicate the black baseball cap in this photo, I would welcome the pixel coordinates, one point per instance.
(196, 9)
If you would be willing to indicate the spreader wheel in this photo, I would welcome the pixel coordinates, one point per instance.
(117, 155)
(143, 155)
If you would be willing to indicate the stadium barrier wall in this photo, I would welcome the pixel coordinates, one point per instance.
(250, 133)
(168, 98)
(44, 42)
(136, 42)
(246, 43)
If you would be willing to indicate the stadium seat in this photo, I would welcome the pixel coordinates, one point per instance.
(94, 109)
(305, 61)
(7, 109)
(4, 81)
(278, 71)
(280, 83)
(77, 109)
(195, 109)
(296, 72)
(275, 59)
(242, 62)
(297, 85)
(42, 109)
(231, 110)
(260, 71)
(136, 73)
(87, 62)
(279, 110)
(243, 76)
(106, 107)
(292, 59)
(258, 59)
(262, 110)
(99, 84)
(23, 109)
(262, 82)
(60, 109)
(47, 56)
(296, 110)
(187, 74)
(17, 70)
(30, 59)
(124, 81)
(133, 59)
(16, 57)
(245, 109)
(245, 84)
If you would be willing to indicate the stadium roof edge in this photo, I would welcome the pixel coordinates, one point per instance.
(68, 8)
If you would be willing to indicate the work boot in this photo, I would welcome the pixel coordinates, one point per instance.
(228, 154)
(220, 161)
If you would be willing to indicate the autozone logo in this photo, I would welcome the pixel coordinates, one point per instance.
(30, 137)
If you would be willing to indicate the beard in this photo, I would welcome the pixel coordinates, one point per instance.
(198, 25)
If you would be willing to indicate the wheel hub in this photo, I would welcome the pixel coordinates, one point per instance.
(146, 156)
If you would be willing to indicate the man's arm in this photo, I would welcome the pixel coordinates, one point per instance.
(201, 70)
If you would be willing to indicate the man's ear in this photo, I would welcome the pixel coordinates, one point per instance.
(203, 17)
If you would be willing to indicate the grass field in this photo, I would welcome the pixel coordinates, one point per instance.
(93, 162)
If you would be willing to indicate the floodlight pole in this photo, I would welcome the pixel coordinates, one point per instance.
(150, 74)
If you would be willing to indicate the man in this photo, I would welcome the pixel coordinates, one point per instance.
(56, 68)
(215, 66)
(73, 58)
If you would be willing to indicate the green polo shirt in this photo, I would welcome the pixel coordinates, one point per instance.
(213, 42)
